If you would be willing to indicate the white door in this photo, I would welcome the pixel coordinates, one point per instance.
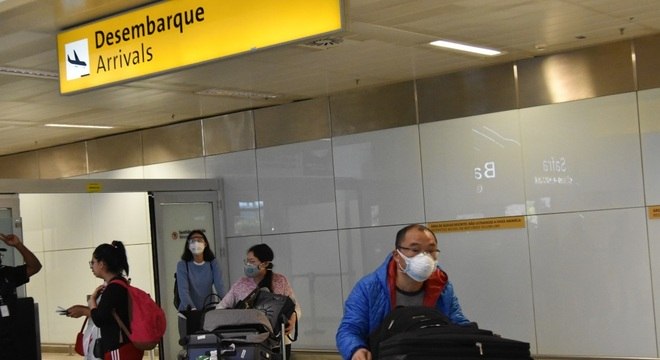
(174, 215)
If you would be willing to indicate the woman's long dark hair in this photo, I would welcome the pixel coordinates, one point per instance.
(114, 257)
(188, 255)
(264, 253)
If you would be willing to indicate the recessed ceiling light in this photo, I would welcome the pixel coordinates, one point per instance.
(237, 93)
(80, 126)
(466, 48)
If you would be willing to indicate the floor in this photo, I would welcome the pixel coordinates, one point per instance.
(65, 356)
(294, 356)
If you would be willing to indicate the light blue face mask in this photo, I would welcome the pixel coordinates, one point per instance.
(251, 270)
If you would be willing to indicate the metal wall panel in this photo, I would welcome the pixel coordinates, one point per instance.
(647, 53)
(373, 109)
(228, 133)
(63, 161)
(583, 74)
(114, 152)
(172, 142)
(291, 123)
(20, 166)
(467, 93)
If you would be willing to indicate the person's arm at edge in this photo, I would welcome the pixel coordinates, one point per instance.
(33, 265)
(183, 285)
(218, 283)
(353, 331)
(451, 307)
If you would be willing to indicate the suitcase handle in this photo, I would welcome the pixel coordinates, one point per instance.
(230, 349)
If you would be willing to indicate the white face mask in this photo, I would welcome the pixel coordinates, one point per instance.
(420, 267)
(196, 248)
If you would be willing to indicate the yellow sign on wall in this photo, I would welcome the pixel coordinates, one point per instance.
(177, 33)
(654, 212)
(499, 223)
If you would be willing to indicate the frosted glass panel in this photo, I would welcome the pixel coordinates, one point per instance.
(472, 167)
(582, 155)
(378, 178)
(67, 221)
(238, 172)
(490, 271)
(311, 263)
(649, 119)
(184, 169)
(592, 285)
(296, 187)
(654, 245)
(121, 216)
(362, 251)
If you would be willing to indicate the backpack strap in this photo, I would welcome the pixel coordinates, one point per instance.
(121, 324)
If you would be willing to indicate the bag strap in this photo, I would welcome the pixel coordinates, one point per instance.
(121, 324)
(295, 331)
(82, 328)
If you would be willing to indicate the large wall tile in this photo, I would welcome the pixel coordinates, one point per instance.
(582, 155)
(67, 221)
(490, 271)
(182, 169)
(242, 207)
(654, 245)
(649, 120)
(361, 251)
(472, 167)
(311, 263)
(30, 208)
(120, 216)
(296, 187)
(378, 178)
(592, 285)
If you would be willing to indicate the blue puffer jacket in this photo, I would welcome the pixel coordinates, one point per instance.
(369, 303)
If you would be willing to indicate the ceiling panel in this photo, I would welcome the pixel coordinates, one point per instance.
(385, 41)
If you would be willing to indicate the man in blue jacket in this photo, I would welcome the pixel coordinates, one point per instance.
(408, 277)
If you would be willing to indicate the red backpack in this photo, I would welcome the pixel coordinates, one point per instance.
(146, 317)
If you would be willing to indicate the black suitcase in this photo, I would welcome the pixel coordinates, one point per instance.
(421, 333)
(200, 346)
(233, 350)
(234, 334)
(451, 342)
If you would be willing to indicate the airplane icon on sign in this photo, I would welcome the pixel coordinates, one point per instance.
(75, 61)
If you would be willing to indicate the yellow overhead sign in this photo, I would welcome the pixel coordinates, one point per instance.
(499, 223)
(177, 33)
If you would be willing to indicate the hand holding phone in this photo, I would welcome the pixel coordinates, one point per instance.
(62, 311)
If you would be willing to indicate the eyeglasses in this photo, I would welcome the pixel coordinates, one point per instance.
(416, 251)
(91, 263)
(195, 239)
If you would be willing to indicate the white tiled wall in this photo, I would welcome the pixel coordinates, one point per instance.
(582, 155)
(592, 285)
(490, 271)
(654, 246)
(472, 167)
(309, 261)
(649, 119)
(378, 178)
(63, 231)
(579, 279)
(238, 172)
(296, 187)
